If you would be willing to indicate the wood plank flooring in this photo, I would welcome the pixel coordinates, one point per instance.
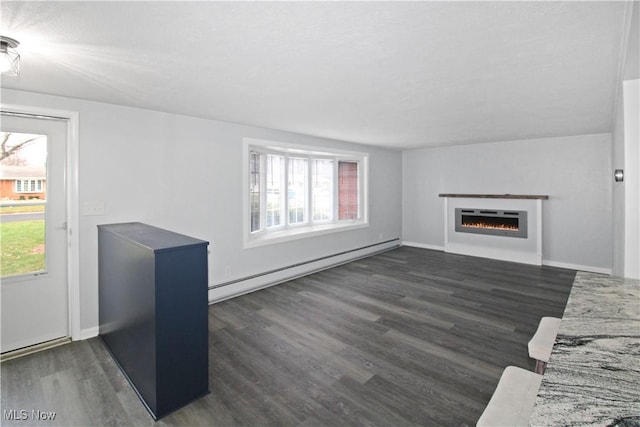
(408, 337)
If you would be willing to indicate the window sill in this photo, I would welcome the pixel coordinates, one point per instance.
(300, 233)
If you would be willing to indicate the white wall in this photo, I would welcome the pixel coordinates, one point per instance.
(618, 189)
(625, 240)
(631, 183)
(574, 171)
(185, 174)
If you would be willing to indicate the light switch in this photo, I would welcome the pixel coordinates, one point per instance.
(93, 208)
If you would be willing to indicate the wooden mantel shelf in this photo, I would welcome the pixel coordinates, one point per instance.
(497, 196)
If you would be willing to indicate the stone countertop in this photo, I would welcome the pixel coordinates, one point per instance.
(593, 375)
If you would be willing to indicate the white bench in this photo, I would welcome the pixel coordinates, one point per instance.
(512, 401)
(542, 342)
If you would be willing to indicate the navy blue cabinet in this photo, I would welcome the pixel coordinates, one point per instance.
(154, 310)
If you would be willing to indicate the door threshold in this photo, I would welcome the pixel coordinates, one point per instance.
(24, 351)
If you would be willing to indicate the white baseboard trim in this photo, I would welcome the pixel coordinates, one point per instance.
(423, 246)
(223, 292)
(87, 333)
(578, 267)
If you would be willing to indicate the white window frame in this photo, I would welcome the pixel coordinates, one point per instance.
(287, 231)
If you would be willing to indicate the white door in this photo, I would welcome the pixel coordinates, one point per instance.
(33, 258)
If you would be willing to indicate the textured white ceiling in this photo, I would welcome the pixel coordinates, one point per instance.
(396, 74)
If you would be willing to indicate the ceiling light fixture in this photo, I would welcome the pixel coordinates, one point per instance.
(9, 57)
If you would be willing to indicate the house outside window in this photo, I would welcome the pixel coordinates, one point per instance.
(28, 185)
(348, 190)
(298, 191)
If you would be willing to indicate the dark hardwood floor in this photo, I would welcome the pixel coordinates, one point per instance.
(408, 337)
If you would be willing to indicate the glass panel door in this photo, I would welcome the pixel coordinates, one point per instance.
(33, 236)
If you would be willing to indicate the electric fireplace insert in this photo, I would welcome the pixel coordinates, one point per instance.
(504, 223)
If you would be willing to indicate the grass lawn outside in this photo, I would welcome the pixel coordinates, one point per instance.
(22, 247)
(21, 209)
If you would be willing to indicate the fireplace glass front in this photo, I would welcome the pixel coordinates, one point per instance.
(492, 222)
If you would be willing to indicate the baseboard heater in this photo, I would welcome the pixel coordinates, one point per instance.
(277, 270)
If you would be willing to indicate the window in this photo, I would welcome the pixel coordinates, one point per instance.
(298, 190)
(275, 190)
(29, 185)
(322, 190)
(294, 191)
(348, 190)
(254, 190)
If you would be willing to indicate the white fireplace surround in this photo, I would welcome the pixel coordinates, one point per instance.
(523, 250)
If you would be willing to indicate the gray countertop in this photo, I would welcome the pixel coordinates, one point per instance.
(593, 375)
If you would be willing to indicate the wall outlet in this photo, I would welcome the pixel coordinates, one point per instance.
(93, 208)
